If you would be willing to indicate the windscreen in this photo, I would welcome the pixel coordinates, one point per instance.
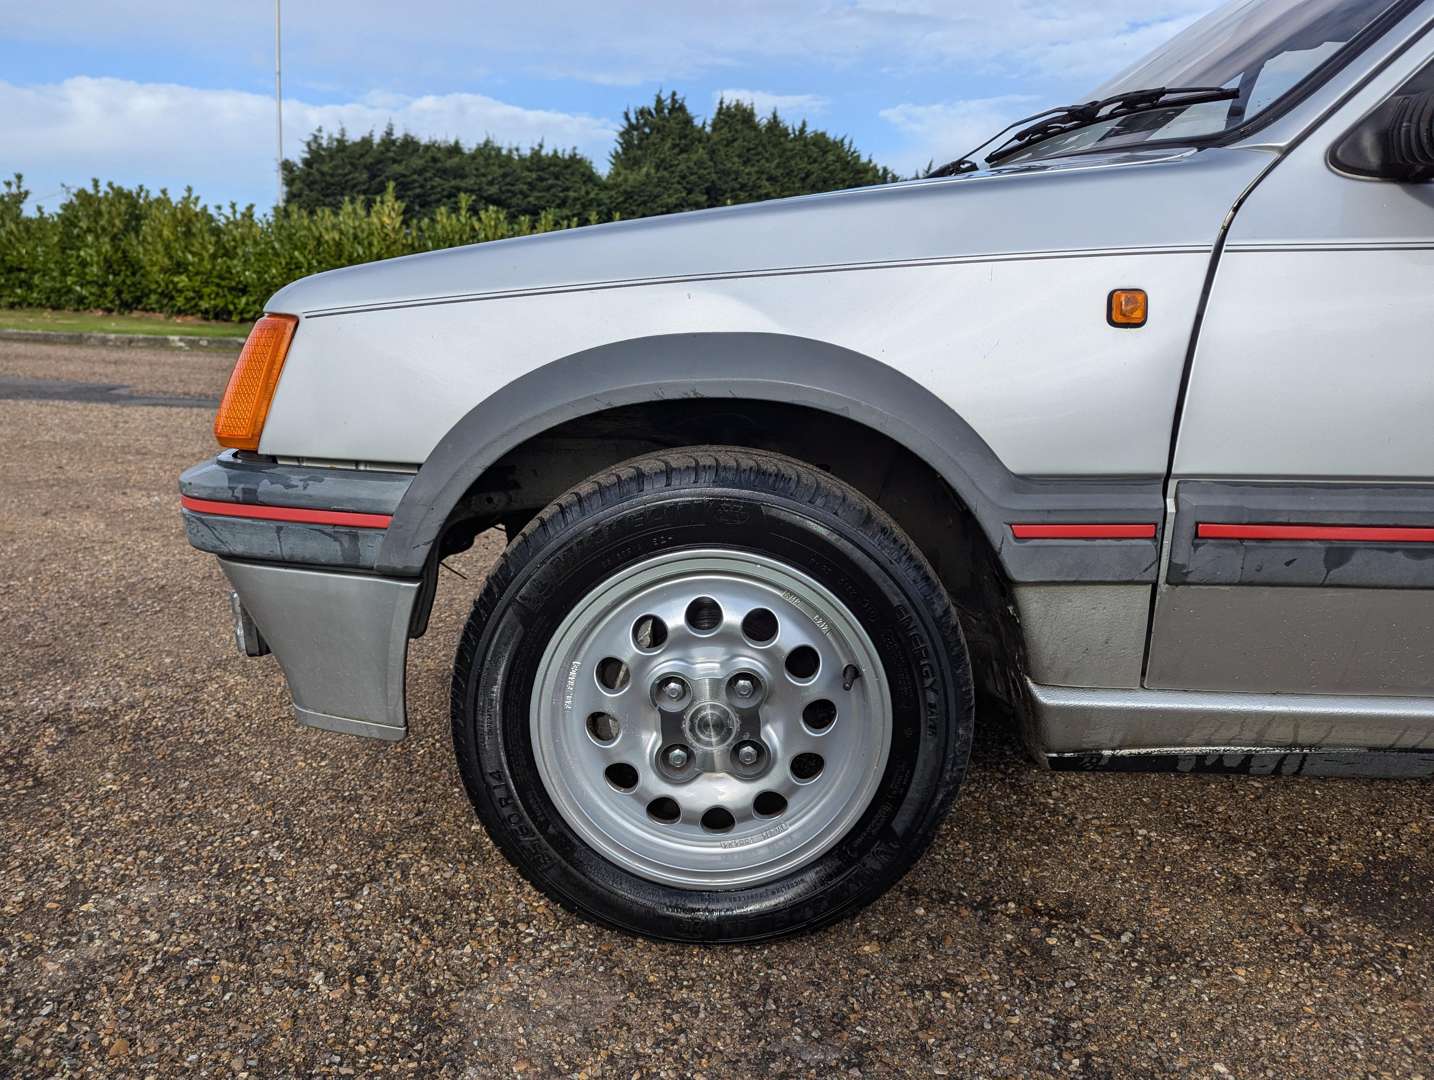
(1261, 48)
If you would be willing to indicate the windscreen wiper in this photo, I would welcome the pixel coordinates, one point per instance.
(1064, 118)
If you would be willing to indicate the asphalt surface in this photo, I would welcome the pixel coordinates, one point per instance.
(189, 882)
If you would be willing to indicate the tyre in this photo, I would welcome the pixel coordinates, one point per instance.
(712, 695)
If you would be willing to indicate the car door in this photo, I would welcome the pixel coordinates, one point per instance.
(1300, 531)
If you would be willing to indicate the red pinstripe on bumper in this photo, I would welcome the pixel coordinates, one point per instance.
(285, 513)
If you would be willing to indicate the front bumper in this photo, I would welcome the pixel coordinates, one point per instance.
(299, 545)
(242, 506)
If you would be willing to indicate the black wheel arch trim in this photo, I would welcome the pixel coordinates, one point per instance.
(794, 370)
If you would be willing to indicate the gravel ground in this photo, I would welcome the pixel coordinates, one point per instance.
(190, 882)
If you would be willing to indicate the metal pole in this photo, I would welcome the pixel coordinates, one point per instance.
(278, 108)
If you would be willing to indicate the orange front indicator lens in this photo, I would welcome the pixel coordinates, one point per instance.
(241, 414)
(1127, 307)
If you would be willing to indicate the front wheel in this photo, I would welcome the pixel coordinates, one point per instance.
(712, 695)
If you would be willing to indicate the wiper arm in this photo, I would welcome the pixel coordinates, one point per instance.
(953, 168)
(1093, 112)
(1064, 118)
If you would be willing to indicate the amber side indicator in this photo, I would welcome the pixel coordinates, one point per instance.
(1127, 307)
(245, 404)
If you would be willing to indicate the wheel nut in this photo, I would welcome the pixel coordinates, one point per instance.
(672, 689)
(676, 757)
(743, 687)
(747, 754)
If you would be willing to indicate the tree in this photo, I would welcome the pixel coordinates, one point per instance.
(747, 155)
(427, 174)
(769, 159)
(661, 164)
(666, 160)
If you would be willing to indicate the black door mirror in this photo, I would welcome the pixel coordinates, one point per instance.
(1394, 142)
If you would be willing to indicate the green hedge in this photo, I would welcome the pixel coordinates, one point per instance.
(124, 249)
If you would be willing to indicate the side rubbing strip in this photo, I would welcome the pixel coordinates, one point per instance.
(1322, 535)
(1368, 534)
(285, 513)
(1084, 532)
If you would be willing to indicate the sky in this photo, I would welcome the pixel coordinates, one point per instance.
(180, 93)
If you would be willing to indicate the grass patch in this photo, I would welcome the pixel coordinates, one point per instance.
(97, 322)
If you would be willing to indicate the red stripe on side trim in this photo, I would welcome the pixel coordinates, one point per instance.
(1389, 534)
(1083, 532)
(285, 513)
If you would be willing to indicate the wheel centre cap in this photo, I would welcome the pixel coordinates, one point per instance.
(710, 724)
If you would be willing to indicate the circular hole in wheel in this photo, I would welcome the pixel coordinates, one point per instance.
(621, 776)
(759, 626)
(649, 633)
(768, 804)
(807, 767)
(604, 728)
(803, 663)
(718, 819)
(613, 675)
(704, 615)
(664, 810)
(819, 715)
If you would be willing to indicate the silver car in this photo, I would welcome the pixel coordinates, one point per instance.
(1123, 427)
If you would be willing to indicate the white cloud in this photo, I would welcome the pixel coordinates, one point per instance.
(938, 133)
(1056, 38)
(222, 141)
(787, 104)
(1096, 59)
(623, 42)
